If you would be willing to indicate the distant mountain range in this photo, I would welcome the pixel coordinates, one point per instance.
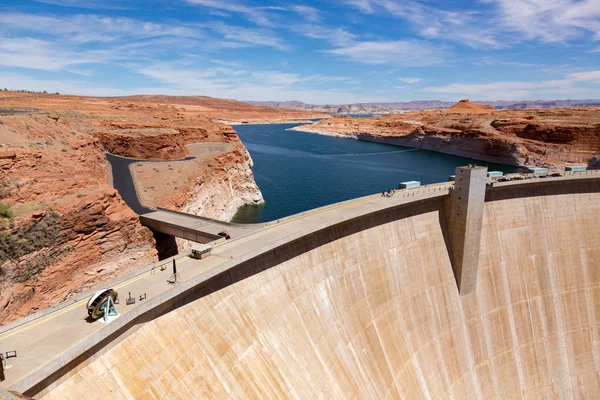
(395, 107)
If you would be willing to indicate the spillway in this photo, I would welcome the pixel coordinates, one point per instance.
(369, 308)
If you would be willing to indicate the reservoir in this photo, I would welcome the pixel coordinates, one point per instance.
(299, 171)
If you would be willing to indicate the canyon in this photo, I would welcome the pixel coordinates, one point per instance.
(63, 228)
(550, 138)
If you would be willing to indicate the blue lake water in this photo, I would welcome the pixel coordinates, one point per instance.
(298, 171)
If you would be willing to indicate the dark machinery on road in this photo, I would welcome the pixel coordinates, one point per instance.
(224, 234)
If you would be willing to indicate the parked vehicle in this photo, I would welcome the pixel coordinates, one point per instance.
(224, 234)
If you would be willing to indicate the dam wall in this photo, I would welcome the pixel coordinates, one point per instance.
(369, 308)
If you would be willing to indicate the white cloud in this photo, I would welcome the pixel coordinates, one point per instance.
(310, 13)
(255, 14)
(335, 36)
(46, 56)
(407, 53)
(550, 20)
(363, 5)
(276, 78)
(410, 81)
(91, 4)
(66, 43)
(520, 90)
(503, 23)
(585, 76)
(462, 26)
(258, 85)
(91, 28)
(254, 37)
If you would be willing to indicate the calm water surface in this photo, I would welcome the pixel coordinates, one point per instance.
(298, 171)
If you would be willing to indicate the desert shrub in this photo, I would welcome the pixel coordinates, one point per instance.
(16, 243)
(5, 211)
(38, 263)
(40, 241)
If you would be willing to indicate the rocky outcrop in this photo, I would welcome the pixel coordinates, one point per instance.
(58, 254)
(468, 107)
(549, 138)
(54, 178)
(227, 186)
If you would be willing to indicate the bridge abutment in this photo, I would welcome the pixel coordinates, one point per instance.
(468, 199)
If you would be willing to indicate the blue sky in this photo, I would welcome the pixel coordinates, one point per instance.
(317, 51)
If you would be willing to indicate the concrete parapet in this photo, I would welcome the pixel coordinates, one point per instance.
(468, 199)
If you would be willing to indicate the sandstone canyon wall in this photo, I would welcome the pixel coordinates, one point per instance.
(63, 228)
(546, 138)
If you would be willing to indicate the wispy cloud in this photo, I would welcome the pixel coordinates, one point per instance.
(83, 28)
(407, 53)
(500, 24)
(47, 56)
(365, 6)
(255, 14)
(335, 36)
(518, 90)
(410, 81)
(462, 26)
(276, 78)
(250, 36)
(310, 13)
(65, 43)
(91, 4)
(265, 85)
(550, 21)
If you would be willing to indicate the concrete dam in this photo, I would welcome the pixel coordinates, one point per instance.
(366, 300)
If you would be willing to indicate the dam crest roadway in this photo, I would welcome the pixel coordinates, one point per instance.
(61, 354)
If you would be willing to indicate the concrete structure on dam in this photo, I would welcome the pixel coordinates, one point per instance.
(360, 300)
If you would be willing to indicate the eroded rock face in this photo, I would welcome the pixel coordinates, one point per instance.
(96, 240)
(550, 138)
(229, 184)
(52, 163)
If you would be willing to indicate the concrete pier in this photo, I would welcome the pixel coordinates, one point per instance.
(468, 199)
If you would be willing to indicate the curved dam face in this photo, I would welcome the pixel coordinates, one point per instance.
(369, 308)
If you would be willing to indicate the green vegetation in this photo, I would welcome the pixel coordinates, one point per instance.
(4, 189)
(5, 211)
(38, 263)
(41, 238)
